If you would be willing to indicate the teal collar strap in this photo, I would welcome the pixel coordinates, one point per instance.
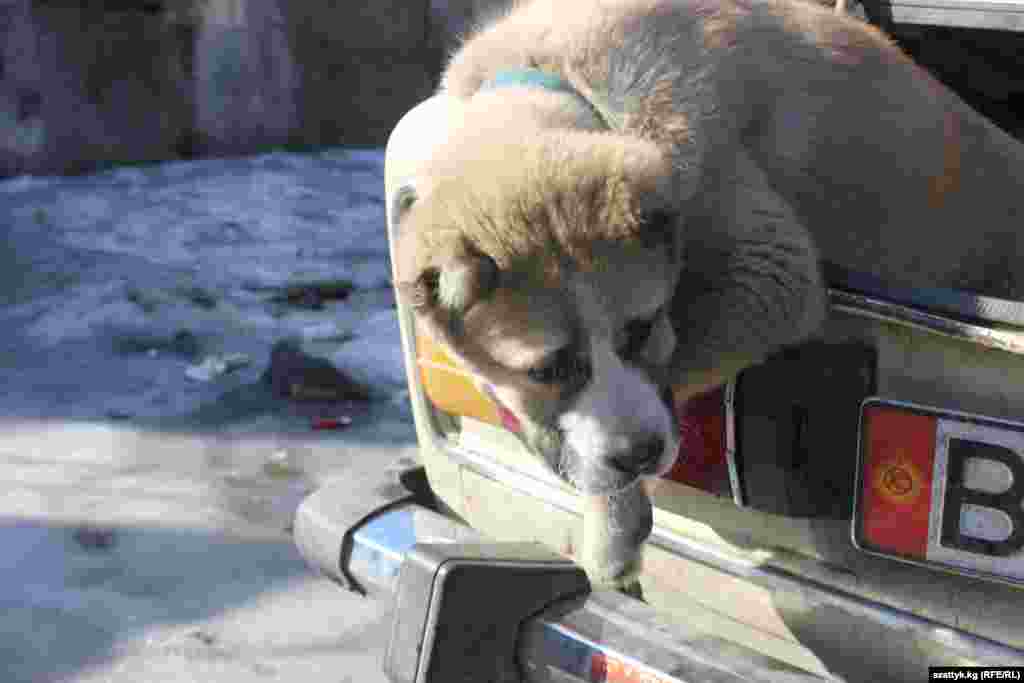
(537, 78)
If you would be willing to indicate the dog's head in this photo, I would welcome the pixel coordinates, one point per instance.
(544, 262)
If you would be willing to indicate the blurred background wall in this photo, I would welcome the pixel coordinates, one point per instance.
(88, 83)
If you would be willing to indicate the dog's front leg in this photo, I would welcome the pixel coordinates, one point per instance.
(751, 280)
(750, 285)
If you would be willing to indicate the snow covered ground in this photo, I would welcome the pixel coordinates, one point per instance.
(144, 506)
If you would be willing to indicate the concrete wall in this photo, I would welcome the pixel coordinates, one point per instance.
(82, 84)
(454, 18)
(363, 66)
(246, 81)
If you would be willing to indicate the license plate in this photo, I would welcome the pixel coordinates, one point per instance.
(941, 488)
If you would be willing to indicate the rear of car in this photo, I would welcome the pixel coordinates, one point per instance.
(853, 507)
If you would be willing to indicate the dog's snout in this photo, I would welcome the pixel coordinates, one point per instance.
(641, 459)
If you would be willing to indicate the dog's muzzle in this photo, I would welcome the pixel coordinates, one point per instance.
(613, 472)
(607, 474)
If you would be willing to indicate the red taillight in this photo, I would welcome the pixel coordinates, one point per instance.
(508, 419)
(702, 462)
(898, 451)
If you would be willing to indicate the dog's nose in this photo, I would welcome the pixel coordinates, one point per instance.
(641, 459)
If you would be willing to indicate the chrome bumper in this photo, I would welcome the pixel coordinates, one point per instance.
(603, 636)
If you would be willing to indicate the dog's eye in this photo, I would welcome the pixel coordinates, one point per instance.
(565, 365)
(638, 332)
(658, 227)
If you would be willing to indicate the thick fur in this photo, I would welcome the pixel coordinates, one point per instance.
(749, 138)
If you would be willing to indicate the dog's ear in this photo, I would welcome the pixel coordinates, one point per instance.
(442, 293)
(466, 277)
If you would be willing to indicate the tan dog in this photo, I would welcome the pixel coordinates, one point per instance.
(633, 194)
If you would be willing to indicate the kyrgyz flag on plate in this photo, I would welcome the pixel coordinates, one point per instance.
(942, 488)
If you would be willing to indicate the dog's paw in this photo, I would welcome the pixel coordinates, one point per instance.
(614, 530)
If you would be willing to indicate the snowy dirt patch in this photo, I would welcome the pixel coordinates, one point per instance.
(154, 291)
(151, 466)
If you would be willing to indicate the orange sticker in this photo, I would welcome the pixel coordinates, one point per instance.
(449, 387)
(612, 670)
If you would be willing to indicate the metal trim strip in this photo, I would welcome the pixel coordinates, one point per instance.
(886, 311)
(735, 479)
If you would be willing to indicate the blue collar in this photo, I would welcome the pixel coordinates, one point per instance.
(537, 78)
